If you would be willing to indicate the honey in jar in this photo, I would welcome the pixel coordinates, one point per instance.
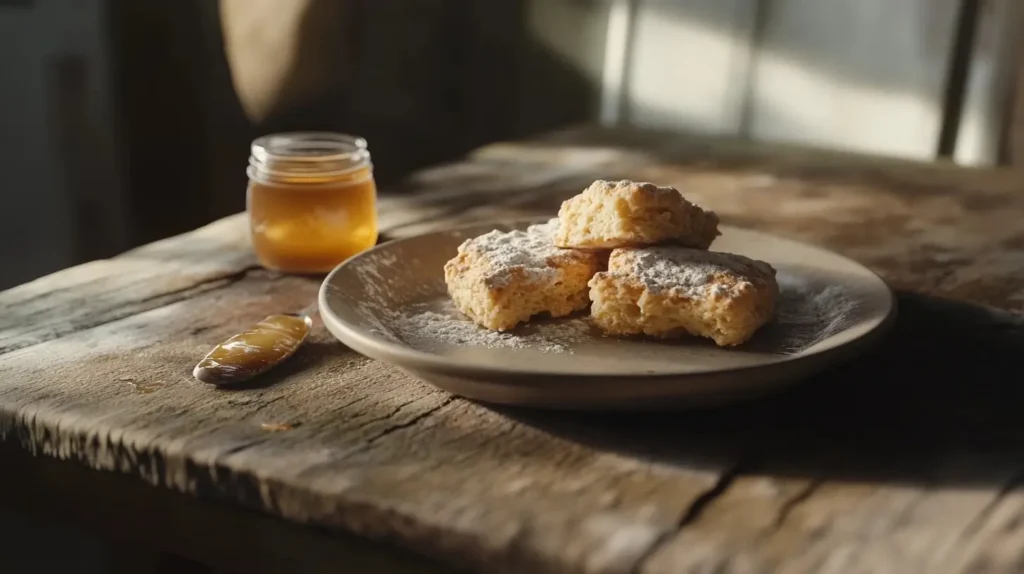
(312, 200)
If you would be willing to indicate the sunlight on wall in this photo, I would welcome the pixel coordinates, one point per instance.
(795, 103)
(866, 77)
(685, 74)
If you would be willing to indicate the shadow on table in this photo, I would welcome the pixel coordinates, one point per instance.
(948, 380)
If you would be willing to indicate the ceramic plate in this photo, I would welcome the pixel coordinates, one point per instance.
(391, 304)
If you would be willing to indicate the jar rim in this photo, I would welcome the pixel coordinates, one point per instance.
(308, 154)
(307, 146)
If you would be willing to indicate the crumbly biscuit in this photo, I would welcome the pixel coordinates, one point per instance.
(501, 279)
(672, 291)
(611, 214)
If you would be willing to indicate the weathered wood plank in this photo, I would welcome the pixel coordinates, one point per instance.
(899, 461)
(799, 524)
(374, 453)
(371, 451)
(101, 291)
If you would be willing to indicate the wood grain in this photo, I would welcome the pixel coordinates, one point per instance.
(146, 278)
(375, 449)
(906, 460)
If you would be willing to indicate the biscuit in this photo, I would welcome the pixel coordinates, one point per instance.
(501, 279)
(672, 291)
(627, 214)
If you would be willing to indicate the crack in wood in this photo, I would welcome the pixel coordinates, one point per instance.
(200, 330)
(368, 442)
(391, 414)
(240, 447)
(204, 286)
(409, 422)
(793, 502)
(975, 523)
(58, 291)
(693, 512)
(700, 503)
(262, 406)
(350, 403)
(903, 517)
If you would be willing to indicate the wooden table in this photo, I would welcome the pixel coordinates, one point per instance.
(908, 460)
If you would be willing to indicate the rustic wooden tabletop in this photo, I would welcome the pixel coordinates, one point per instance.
(907, 460)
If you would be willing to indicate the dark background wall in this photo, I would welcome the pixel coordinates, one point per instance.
(122, 125)
(56, 156)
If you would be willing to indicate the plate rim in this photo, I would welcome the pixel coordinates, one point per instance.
(409, 358)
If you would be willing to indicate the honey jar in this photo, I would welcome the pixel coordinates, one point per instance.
(311, 200)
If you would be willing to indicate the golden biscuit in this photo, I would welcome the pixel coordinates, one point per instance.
(672, 291)
(501, 279)
(627, 214)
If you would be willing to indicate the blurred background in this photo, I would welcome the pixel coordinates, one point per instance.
(125, 121)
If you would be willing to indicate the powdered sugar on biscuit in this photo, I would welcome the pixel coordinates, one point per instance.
(691, 271)
(530, 252)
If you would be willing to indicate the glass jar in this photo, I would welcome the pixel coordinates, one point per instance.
(312, 200)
